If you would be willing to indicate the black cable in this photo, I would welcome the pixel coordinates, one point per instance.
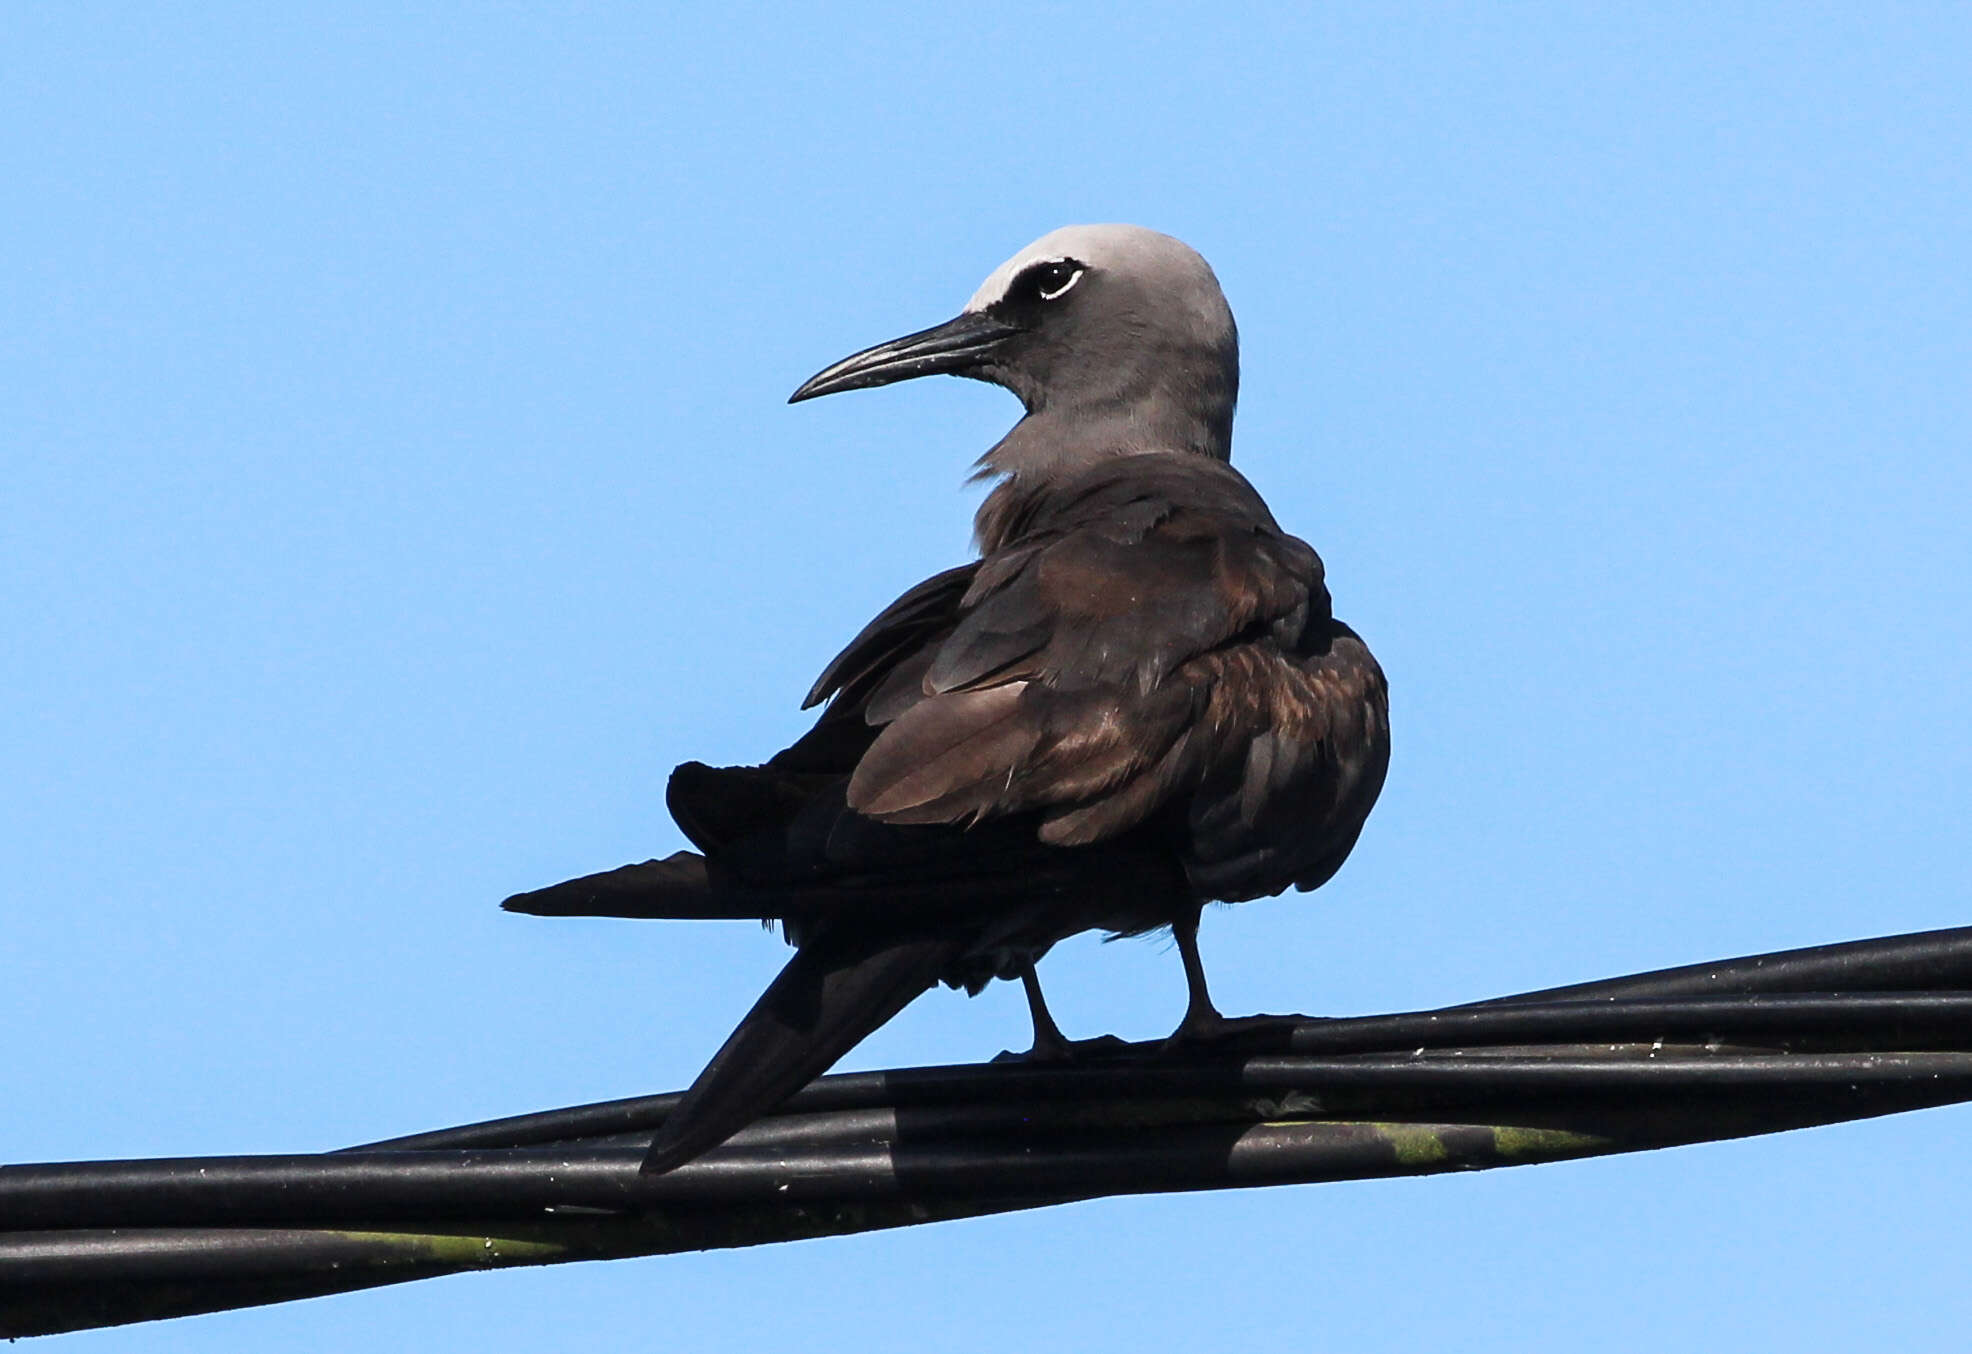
(1703, 1052)
(1910, 1021)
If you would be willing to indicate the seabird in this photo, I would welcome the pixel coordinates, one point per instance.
(1134, 702)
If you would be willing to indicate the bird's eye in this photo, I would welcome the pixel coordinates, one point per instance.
(1051, 281)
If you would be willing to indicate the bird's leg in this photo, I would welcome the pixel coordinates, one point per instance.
(1202, 1018)
(1203, 1023)
(1050, 1044)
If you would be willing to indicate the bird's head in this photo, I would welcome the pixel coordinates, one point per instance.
(1116, 339)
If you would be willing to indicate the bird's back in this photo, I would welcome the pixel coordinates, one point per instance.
(1143, 660)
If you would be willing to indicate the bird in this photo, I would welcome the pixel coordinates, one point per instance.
(1134, 701)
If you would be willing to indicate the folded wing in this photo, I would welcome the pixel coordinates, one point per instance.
(1148, 643)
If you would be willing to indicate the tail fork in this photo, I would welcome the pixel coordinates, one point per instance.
(828, 998)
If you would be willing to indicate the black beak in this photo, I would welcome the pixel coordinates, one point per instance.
(952, 348)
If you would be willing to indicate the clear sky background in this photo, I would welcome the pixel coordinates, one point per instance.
(395, 482)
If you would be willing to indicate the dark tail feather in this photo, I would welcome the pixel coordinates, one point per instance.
(675, 887)
(678, 888)
(822, 1005)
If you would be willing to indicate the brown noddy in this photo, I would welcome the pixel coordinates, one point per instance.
(1134, 702)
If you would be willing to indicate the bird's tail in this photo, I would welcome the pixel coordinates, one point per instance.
(676, 887)
(736, 814)
(830, 995)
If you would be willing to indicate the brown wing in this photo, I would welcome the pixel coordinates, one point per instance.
(1150, 642)
(900, 629)
(1301, 746)
(902, 638)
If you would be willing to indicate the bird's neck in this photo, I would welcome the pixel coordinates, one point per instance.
(1051, 445)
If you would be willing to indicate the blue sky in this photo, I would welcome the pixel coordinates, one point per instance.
(397, 482)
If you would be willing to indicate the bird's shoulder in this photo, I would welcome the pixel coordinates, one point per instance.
(1124, 572)
(1139, 620)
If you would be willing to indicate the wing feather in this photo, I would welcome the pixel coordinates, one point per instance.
(1152, 640)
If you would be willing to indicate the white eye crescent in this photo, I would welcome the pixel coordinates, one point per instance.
(1054, 280)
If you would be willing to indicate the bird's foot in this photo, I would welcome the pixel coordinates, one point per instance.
(1066, 1050)
(1207, 1029)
